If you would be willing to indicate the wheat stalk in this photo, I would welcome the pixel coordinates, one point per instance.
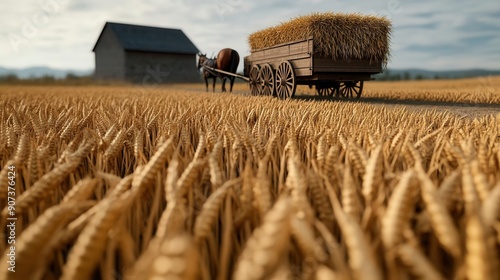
(441, 222)
(361, 260)
(268, 243)
(419, 265)
(399, 210)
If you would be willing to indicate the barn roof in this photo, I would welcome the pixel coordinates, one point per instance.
(150, 39)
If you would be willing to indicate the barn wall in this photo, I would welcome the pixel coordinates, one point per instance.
(109, 57)
(157, 68)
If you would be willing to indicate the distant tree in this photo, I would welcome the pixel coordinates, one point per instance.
(419, 77)
(9, 78)
(47, 79)
(437, 77)
(406, 76)
(71, 76)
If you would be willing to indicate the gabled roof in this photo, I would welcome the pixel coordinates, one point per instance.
(150, 39)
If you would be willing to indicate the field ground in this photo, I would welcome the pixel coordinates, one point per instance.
(116, 182)
(467, 97)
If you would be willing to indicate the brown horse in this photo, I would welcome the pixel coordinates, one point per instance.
(227, 60)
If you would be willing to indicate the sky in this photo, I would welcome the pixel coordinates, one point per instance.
(434, 35)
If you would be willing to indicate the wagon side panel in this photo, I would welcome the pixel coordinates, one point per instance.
(328, 65)
(298, 53)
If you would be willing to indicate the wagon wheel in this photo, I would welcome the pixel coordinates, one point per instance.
(329, 91)
(351, 89)
(254, 80)
(267, 80)
(324, 91)
(285, 80)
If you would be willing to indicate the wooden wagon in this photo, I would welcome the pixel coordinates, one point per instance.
(277, 70)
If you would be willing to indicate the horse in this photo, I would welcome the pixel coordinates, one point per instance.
(226, 60)
(210, 62)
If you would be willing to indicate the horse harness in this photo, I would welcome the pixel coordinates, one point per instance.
(210, 62)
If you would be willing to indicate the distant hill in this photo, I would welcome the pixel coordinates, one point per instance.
(390, 74)
(412, 74)
(41, 71)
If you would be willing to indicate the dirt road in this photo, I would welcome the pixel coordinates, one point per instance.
(473, 97)
(459, 108)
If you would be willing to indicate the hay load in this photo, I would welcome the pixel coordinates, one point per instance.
(336, 36)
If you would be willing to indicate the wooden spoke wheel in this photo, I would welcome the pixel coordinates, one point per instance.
(351, 89)
(324, 91)
(286, 82)
(267, 80)
(328, 91)
(254, 80)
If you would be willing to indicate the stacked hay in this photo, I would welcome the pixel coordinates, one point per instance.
(337, 36)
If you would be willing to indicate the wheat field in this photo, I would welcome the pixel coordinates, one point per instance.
(168, 183)
(483, 90)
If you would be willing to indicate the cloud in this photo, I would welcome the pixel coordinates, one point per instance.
(419, 26)
(436, 35)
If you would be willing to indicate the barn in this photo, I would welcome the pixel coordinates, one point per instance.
(144, 54)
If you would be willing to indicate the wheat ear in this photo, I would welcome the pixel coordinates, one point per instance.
(333, 248)
(399, 210)
(267, 245)
(172, 258)
(4, 178)
(373, 176)
(349, 195)
(441, 221)
(190, 175)
(116, 145)
(361, 259)
(491, 206)
(319, 199)
(481, 259)
(482, 185)
(418, 264)
(90, 245)
(146, 176)
(35, 244)
(448, 188)
(325, 273)
(210, 211)
(45, 187)
(213, 162)
(83, 190)
(262, 188)
(297, 183)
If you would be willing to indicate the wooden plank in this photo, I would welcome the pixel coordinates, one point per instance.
(303, 72)
(301, 66)
(291, 51)
(296, 63)
(263, 56)
(276, 52)
(326, 62)
(305, 47)
(322, 64)
(340, 77)
(281, 58)
(300, 61)
(372, 70)
(299, 53)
